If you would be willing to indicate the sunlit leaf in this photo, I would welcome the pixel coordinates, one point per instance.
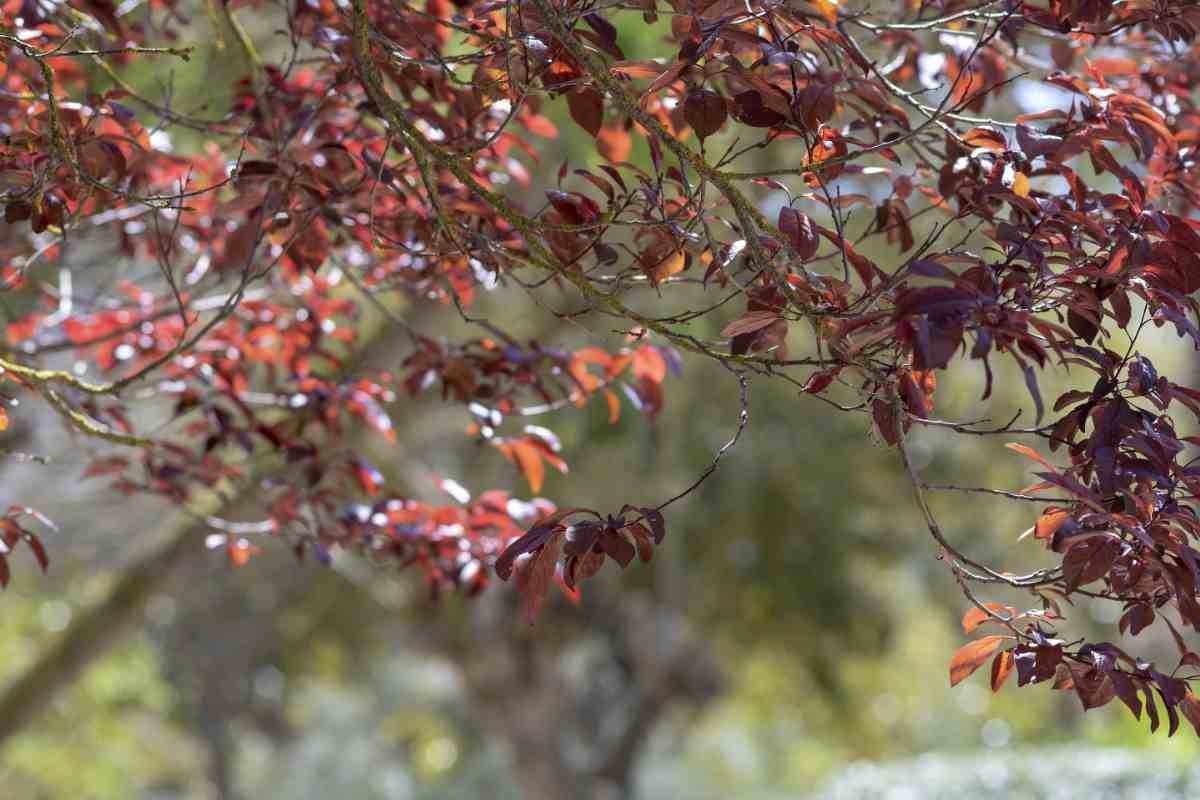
(972, 656)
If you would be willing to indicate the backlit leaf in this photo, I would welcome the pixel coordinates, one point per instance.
(533, 579)
(1020, 185)
(1002, 666)
(986, 138)
(972, 656)
(976, 616)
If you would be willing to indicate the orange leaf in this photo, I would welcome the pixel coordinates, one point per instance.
(614, 143)
(573, 593)
(1001, 667)
(587, 381)
(972, 656)
(594, 355)
(828, 9)
(540, 126)
(618, 365)
(639, 69)
(614, 407)
(669, 76)
(985, 138)
(1020, 185)
(240, 551)
(3, 419)
(977, 616)
(1029, 451)
(1048, 523)
(648, 364)
(672, 263)
(529, 459)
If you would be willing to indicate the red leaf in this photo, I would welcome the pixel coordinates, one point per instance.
(705, 111)
(749, 322)
(1125, 690)
(39, 551)
(798, 227)
(657, 524)
(580, 568)
(617, 547)
(1093, 686)
(19, 331)
(369, 479)
(641, 538)
(533, 579)
(885, 421)
(1151, 708)
(820, 381)
(752, 111)
(587, 109)
(1190, 707)
(534, 538)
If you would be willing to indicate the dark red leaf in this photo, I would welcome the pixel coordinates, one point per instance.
(657, 524)
(586, 105)
(885, 421)
(534, 577)
(749, 322)
(616, 546)
(798, 229)
(750, 110)
(39, 551)
(705, 111)
(538, 535)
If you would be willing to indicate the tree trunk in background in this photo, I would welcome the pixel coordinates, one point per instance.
(571, 737)
(215, 731)
(95, 632)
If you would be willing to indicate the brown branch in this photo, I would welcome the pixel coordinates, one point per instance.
(961, 564)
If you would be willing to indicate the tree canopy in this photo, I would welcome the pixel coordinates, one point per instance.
(858, 200)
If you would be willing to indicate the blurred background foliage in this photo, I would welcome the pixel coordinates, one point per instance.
(793, 633)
